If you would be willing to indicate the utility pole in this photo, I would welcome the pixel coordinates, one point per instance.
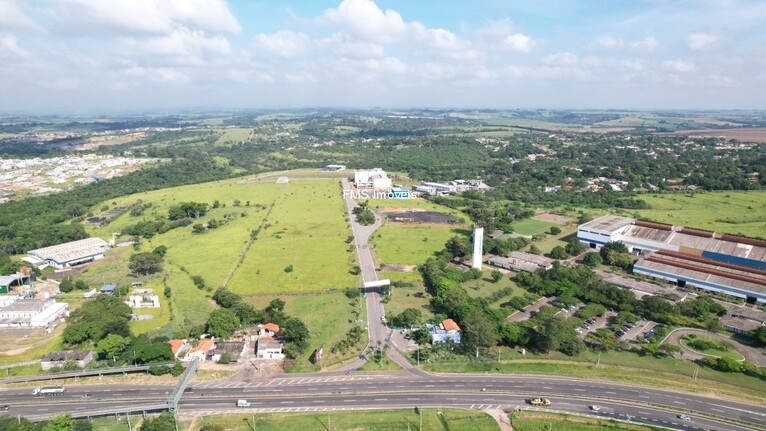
(130, 427)
(253, 421)
(420, 412)
(418, 355)
(329, 425)
(598, 360)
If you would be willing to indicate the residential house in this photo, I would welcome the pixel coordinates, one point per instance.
(446, 330)
(200, 351)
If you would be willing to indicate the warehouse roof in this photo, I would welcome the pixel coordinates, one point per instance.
(609, 223)
(71, 251)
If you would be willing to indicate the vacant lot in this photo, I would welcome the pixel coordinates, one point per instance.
(742, 212)
(409, 244)
(302, 245)
(531, 226)
(376, 420)
(234, 136)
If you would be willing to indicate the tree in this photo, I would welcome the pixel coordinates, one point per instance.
(296, 332)
(534, 250)
(112, 346)
(222, 323)
(225, 358)
(592, 259)
(407, 318)
(198, 228)
(66, 285)
(479, 332)
(160, 250)
(80, 284)
(559, 253)
(759, 335)
(199, 281)
(496, 275)
(457, 246)
(145, 263)
(574, 247)
(60, 423)
(555, 230)
(164, 422)
(76, 210)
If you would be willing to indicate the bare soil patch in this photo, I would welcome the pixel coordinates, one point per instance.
(421, 217)
(553, 218)
(749, 134)
(399, 268)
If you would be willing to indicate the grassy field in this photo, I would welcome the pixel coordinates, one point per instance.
(483, 287)
(306, 229)
(409, 244)
(539, 421)
(730, 212)
(235, 135)
(328, 316)
(531, 227)
(374, 420)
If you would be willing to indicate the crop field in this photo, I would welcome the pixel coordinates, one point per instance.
(742, 212)
(373, 420)
(531, 226)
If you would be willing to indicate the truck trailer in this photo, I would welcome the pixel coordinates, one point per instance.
(48, 390)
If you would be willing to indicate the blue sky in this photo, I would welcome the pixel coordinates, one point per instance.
(86, 55)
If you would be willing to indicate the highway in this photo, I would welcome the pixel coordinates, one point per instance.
(404, 389)
(347, 389)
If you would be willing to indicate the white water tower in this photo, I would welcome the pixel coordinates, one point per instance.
(478, 247)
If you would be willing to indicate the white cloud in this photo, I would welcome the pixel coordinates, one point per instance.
(344, 46)
(12, 17)
(703, 41)
(365, 20)
(284, 43)
(156, 74)
(9, 48)
(143, 16)
(183, 46)
(680, 66)
(519, 42)
(564, 59)
(647, 44)
(608, 41)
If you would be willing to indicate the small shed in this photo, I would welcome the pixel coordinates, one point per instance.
(108, 289)
(58, 358)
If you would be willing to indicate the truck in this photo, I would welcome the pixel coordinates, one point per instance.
(540, 401)
(243, 403)
(48, 390)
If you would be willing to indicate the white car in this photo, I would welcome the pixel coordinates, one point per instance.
(595, 408)
(684, 417)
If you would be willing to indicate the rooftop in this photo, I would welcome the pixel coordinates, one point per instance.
(609, 223)
(71, 250)
(66, 355)
(450, 325)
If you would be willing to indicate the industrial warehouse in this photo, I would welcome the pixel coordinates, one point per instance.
(724, 263)
(68, 254)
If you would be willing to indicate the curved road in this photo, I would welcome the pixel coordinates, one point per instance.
(751, 354)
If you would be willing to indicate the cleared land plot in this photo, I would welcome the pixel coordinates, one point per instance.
(730, 212)
(374, 420)
(483, 288)
(306, 229)
(328, 317)
(729, 352)
(531, 226)
(412, 216)
(748, 134)
(409, 244)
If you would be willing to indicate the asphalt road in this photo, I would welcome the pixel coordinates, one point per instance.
(403, 389)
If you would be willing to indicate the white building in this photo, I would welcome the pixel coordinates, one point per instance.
(478, 247)
(68, 254)
(372, 179)
(143, 298)
(269, 348)
(36, 313)
(334, 168)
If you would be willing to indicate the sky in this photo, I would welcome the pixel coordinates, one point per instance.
(127, 55)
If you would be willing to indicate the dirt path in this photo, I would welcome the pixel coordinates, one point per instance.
(501, 418)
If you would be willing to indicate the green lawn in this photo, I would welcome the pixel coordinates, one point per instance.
(531, 227)
(483, 287)
(409, 244)
(306, 229)
(235, 135)
(539, 421)
(729, 353)
(372, 420)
